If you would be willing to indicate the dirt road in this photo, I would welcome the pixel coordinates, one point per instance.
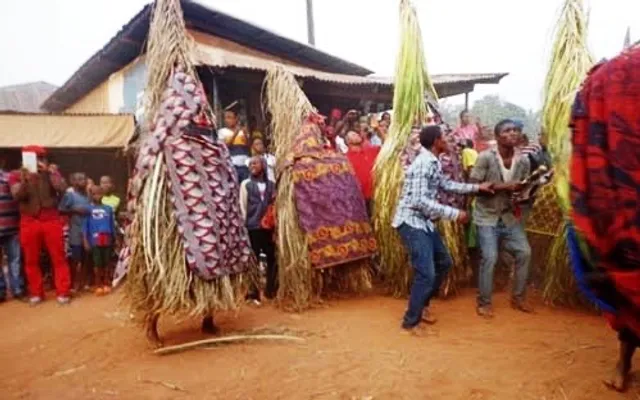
(354, 349)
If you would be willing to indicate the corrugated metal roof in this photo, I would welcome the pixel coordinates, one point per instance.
(223, 58)
(443, 79)
(26, 97)
(128, 44)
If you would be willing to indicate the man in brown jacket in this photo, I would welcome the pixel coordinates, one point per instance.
(38, 195)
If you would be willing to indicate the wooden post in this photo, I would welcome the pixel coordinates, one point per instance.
(215, 96)
(367, 106)
(310, 26)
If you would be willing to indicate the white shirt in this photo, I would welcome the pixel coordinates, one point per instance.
(507, 173)
(262, 187)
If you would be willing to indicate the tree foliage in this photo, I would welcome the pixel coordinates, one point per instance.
(490, 110)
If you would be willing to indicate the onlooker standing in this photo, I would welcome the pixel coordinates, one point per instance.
(9, 239)
(413, 149)
(253, 129)
(75, 205)
(364, 129)
(350, 122)
(469, 157)
(495, 218)
(256, 195)
(467, 129)
(362, 159)
(451, 163)
(380, 133)
(335, 117)
(259, 149)
(237, 140)
(538, 156)
(90, 185)
(537, 153)
(109, 198)
(333, 131)
(38, 196)
(99, 237)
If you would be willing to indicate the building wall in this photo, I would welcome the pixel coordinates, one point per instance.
(96, 101)
(117, 94)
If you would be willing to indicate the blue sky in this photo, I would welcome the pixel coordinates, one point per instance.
(49, 39)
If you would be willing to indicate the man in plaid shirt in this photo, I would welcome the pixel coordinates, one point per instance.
(416, 212)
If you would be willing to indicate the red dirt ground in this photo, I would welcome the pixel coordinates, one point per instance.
(354, 350)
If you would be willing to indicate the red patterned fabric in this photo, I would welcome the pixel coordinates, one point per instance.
(331, 208)
(605, 180)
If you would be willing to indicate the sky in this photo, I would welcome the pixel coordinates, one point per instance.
(48, 40)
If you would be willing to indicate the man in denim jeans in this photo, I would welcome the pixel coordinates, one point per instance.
(9, 239)
(495, 217)
(417, 209)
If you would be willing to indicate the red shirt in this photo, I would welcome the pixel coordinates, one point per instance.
(362, 160)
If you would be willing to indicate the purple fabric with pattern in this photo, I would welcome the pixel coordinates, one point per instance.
(331, 209)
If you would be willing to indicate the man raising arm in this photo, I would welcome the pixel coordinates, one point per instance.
(414, 219)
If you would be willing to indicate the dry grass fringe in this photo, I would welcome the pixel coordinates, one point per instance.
(168, 46)
(300, 284)
(289, 107)
(570, 63)
(559, 285)
(411, 84)
(158, 280)
(453, 235)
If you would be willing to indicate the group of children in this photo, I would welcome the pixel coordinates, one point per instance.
(91, 212)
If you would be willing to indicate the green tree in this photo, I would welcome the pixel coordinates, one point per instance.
(490, 110)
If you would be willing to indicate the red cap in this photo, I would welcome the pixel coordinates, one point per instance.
(39, 150)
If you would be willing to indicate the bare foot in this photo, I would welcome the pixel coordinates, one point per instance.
(209, 327)
(619, 380)
(152, 332)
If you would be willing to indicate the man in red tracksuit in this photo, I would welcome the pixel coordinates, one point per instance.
(38, 195)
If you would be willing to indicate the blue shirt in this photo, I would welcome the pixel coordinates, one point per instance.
(99, 222)
(418, 204)
(73, 201)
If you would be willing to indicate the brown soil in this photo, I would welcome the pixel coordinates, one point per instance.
(354, 350)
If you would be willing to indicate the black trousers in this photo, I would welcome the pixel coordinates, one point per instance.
(627, 335)
(262, 242)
